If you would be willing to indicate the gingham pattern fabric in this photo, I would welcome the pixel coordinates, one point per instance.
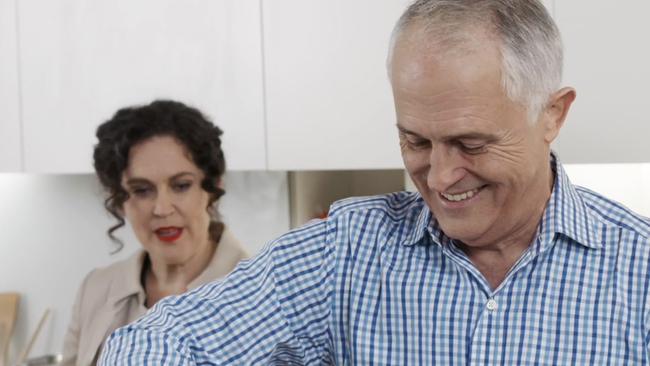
(378, 283)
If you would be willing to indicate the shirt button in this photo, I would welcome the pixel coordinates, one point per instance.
(491, 305)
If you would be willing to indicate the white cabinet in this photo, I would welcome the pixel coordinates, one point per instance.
(10, 141)
(296, 85)
(328, 99)
(608, 62)
(84, 59)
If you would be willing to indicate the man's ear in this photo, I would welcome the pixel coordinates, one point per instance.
(556, 112)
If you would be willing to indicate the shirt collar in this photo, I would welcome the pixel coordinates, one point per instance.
(421, 223)
(565, 214)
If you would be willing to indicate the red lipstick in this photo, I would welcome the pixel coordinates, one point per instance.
(169, 234)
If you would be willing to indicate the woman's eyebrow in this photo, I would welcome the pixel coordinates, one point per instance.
(181, 174)
(137, 180)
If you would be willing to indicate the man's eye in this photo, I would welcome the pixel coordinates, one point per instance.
(472, 148)
(417, 144)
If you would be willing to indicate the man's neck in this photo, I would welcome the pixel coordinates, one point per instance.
(495, 261)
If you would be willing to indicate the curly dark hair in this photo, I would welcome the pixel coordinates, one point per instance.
(132, 125)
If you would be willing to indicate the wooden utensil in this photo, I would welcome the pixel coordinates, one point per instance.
(32, 339)
(8, 312)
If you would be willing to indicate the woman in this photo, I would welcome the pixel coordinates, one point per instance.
(161, 165)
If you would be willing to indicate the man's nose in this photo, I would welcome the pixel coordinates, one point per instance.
(163, 205)
(446, 168)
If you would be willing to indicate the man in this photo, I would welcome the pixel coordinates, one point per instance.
(498, 260)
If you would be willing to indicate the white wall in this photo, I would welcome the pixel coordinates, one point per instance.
(628, 184)
(606, 60)
(53, 230)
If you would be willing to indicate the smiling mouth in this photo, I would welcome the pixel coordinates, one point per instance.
(169, 234)
(462, 196)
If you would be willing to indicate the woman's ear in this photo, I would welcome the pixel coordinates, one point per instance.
(120, 210)
(556, 112)
(214, 197)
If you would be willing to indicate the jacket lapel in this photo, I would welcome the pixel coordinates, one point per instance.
(111, 315)
(91, 345)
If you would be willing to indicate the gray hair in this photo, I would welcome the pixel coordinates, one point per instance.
(529, 41)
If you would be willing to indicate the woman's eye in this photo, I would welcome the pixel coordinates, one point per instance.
(182, 187)
(141, 191)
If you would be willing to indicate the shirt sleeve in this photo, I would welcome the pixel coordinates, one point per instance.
(646, 311)
(273, 309)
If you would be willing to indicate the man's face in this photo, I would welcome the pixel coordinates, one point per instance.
(482, 169)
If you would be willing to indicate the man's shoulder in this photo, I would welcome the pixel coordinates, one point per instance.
(613, 213)
(394, 205)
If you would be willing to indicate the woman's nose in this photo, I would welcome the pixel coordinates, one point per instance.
(163, 206)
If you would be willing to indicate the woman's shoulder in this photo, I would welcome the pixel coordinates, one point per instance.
(231, 247)
(125, 268)
(111, 282)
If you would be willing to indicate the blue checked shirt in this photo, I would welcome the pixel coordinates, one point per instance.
(378, 283)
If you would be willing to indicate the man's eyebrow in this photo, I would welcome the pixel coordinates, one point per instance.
(471, 136)
(406, 131)
(474, 135)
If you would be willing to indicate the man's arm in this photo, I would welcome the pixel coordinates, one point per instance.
(272, 308)
(646, 311)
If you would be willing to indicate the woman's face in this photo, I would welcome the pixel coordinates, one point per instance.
(166, 206)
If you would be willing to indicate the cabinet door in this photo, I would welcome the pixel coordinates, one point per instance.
(607, 58)
(10, 134)
(84, 59)
(329, 103)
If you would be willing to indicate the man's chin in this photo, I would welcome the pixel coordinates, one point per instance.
(460, 232)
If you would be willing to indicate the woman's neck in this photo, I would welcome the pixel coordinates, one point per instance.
(162, 279)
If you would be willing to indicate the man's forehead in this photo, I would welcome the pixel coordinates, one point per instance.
(446, 41)
(425, 66)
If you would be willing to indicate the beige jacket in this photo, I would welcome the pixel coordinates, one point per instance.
(112, 297)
